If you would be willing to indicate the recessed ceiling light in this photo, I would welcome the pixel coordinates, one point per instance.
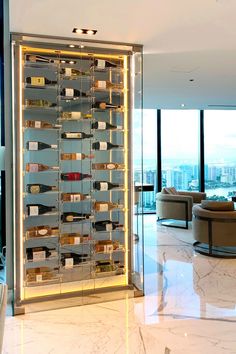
(81, 46)
(182, 105)
(63, 61)
(84, 31)
(71, 62)
(72, 46)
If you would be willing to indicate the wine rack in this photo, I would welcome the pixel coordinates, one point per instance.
(74, 188)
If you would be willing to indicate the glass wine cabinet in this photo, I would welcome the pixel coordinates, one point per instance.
(75, 221)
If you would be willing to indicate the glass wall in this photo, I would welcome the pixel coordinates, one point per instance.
(220, 158)
(180, 149)
(149, 157)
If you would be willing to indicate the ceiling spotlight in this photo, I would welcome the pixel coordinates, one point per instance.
(63, 61)
(71, 62)
(182, 105)
(81, 46)
(71, 46)
(84, 31)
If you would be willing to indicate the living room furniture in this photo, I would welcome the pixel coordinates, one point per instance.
(177, 205)
(3, 302)
(214, 228)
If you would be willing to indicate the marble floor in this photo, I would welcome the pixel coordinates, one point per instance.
(189, 308)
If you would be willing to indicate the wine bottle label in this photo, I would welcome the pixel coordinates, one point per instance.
(68, 71)
(34, 189)
(101, 125)
(39, 278)
(42, 232)
(37, 124)
(103, 207)
(102, 84)
(103, 186)
(37, 81)
(76, 115)
(76, 240)
(33, 167)
(75, 198)
(111, 166)
(69, 263)
(33, 145)
(78, 156)
(108, 248)
(69, 92)
(34, 210)
(73, 135)
(39, 256)
(101, 64)
(69, 218)
(108, 227)
(103, 145)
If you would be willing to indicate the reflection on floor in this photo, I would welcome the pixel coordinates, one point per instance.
(189, 307)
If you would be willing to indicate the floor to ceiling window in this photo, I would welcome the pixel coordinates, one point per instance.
(220, 156)
(149, 156)
(180, 149)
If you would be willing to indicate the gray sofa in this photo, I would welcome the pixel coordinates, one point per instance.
(177, 205)
(214, 228)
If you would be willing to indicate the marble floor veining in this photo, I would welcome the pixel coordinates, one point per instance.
(189, 307)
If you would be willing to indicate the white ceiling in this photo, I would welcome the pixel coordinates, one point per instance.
(183, 40)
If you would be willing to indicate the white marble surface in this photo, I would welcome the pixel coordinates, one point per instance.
(189, 307)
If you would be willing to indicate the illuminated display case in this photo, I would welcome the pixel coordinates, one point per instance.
(73, 108)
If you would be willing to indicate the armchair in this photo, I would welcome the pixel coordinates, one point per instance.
(177, 205)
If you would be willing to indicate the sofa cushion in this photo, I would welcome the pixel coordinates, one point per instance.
(170, 190)
(217, 205)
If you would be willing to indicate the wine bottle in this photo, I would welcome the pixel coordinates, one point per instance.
(40, 253)
(104, 186)
(40, 59)
(40, 124)
(74, 217)
(103, 85)
(68, 260)
(39, 81)
(39, 231)
(74, 197)
(38, 209)
(38, 145)
(70, 92)
(40, 188)
(104, 145)
(74, 176)
(108, 166)
(39, 274)
(105, 126)
(76, 135)
(106, 246)
(106, 105)
(106, 225)
(39, 103)
(106, 206)
(73, 239)
(39, 167)
(75, 156)
(109, 266)
(102, 64)
(75, 115)
(69, 72)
